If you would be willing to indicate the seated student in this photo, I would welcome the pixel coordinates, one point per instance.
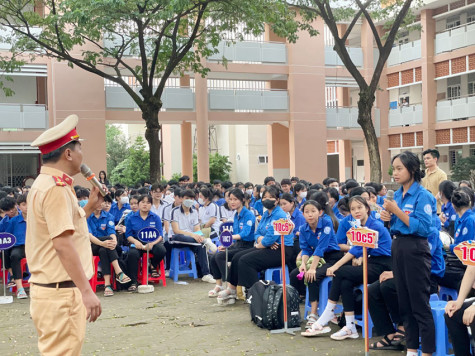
(247, 204)
(158, 204)
(122, 204)
(317, 240)
(225, 213)
(333, 198)
(343, 206)
(137, 221)
(289, 206)
(322, 198)
(249, 189)
(266, 253)
(373, 199)
(300, 193)
(384, 304)
(347, 277)
(286, 186)
(460, 315)
(167, 231)
(103, 244)
(448, 214)
(186, 233)
(83, 195)
(464, 231)
(208, 213)
(258, 195)
(9, 206)
(13, 256)
(243, 237)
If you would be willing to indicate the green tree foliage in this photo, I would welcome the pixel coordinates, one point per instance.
(135, 168)
(116, 147)
(219, 167)
(463, 168)
(148, 40)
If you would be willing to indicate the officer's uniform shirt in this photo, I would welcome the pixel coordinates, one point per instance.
(418, 203)
(266, 228)
(158, 210)
(206, 212)
(17, 227)
(449, 212)
(244, 224)
(297, 218)
(186, 222)
(319, 242)
(136, 223)
(101, 226)
(384, 240)
(464, 229)
(117, 213)
(52, 210)
(437, 260)
(225, 214)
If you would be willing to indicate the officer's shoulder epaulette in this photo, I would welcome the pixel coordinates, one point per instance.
(59, 181)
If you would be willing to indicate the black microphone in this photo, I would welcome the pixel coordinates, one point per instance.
(91, 178)
(390, 197)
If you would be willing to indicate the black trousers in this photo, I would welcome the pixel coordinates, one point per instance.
(348, 277)
(411, 267)
(452, 278)
(314, 287)
(134, 255)
(106, 256)
(458, 331)
(257, 260)
(217, 262)
(13, 257)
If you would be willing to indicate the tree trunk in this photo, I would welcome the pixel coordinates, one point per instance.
(365, 105)
(150, 115)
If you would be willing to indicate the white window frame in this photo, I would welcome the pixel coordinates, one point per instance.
(453, 91)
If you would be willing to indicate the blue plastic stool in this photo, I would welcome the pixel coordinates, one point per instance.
(323, 293)
(274, 274)
(308, 307)
(442, 344)
(445, 293)
(359, 319)
(434, 297)
(182, 262)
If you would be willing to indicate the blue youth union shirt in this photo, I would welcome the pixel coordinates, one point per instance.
(319, 242)
(384, 240)
(101, 226)
(266, 229)
(464, 229)
(419, 205)
(437, 267)
(244, 224)
(449, 212)
(135, 223)
(297, 218)
(117, 213)
(17, 227)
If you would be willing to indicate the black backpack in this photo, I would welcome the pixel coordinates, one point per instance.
(266, 305)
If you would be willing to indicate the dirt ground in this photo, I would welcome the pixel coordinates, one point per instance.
(174, 320)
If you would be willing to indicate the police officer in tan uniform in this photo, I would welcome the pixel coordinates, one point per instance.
(57, 246)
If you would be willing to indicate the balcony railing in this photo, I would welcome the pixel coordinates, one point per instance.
(406, 115)
(23, 116)
(332, 58)
(245, 100)
(458, 37)
(256, 52)
(172, 98)
(405, 53)
(455, 109)
(347, 118)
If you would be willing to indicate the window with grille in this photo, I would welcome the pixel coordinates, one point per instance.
(453, 157)
(452, 22)
(472, 152)
(262, 159)
(471, 88)
(470, 17)
(453, 91)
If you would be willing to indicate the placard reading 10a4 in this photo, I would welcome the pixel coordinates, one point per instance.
(148, 234)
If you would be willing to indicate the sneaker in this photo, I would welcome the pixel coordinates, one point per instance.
(211, 248)
(167, 273)
(208, 278)
(345, 333)
(21, 294)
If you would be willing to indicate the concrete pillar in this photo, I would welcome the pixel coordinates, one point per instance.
(186, 149)
(346, 160)
(278, 148)
(202, 130)
(307, 128)
(429, 87)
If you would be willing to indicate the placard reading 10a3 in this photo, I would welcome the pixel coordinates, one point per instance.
(148, 234)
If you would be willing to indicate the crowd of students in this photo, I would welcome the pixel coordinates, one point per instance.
(418, 231)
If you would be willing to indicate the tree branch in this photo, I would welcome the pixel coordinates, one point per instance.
(371, 25)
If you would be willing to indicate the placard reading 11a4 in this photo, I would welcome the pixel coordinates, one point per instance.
(148, 234)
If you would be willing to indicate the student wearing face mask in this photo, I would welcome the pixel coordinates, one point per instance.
(208, 212)
(300, 193)
(266, 252)
(122, 204)
(249, 189)
(83, 196)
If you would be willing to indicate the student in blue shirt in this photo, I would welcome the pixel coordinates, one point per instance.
(122, 204)
(300, 193)
(448, 214)
(333, 198)
(347, 277)
(103, 244)
(266, 253)
(137, 221)
(317, 240)
(464, 231)
(411, 219)
(243, 239)
(258, 204)
(13, 256)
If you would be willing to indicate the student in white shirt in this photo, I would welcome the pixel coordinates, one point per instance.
(208, 212)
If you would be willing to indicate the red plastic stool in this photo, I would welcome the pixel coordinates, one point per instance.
(94, 281)
(143, 271)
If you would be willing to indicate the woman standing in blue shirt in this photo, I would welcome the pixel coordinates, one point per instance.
(410, 216)
(243, 237)
(137, 221)
(317, 240)
(347, 277)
